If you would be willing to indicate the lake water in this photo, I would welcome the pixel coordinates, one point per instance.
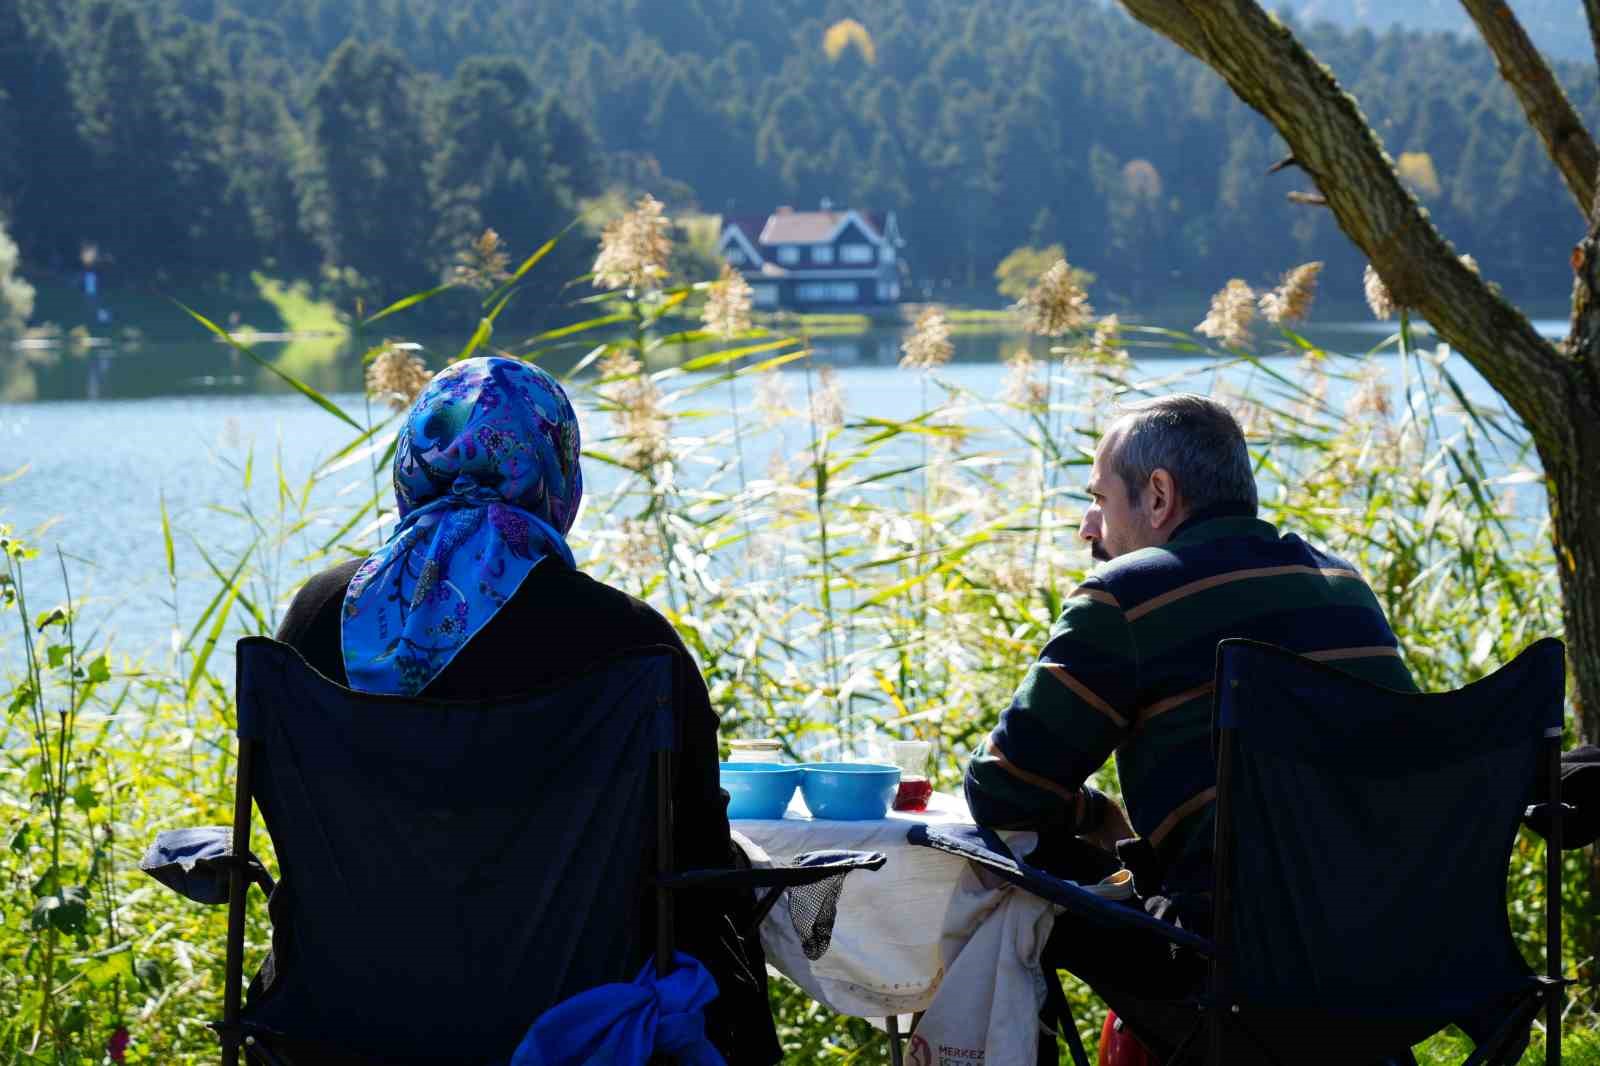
(114, 431)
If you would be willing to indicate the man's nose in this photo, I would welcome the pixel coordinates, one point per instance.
(1090, 529)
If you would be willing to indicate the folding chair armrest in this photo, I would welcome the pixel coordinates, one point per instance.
(806, 869)
(984, 848)
(196, 863)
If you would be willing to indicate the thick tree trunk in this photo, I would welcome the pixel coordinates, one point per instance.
(1581, 512)
(1555, 391)
(1575, 484)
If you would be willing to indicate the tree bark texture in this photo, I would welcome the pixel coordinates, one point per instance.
(1548, 110)
(1554, 390)
(1574, 495)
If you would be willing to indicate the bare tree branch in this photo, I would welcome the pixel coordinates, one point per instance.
(1324, 128)
(1548, 110)
(1592, 9)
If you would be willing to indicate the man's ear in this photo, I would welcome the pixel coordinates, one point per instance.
(1161, 494)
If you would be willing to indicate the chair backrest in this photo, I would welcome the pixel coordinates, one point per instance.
(448, 871)
(1362, 844)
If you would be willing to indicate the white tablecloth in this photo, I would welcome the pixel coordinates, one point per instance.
(925, 921)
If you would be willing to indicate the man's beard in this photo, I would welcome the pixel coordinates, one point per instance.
(1098, 550)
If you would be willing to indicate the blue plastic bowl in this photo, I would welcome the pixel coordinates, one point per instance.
(849, 791)
(758, 789)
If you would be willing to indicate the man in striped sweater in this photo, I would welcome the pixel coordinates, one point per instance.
(1184, 563)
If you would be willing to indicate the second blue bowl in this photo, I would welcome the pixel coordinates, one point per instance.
(758, 789)
(849, 791)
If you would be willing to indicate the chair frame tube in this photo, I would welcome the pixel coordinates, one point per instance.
(1552, 903)
(1218, 1005)
(664, 860)
(238, 886)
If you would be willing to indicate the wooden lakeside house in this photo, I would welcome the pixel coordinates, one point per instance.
(812, 260)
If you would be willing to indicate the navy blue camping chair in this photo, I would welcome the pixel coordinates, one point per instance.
(447, 870)
(1362, 842)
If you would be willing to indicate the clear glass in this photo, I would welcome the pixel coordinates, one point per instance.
(755, 751)
(915, 788)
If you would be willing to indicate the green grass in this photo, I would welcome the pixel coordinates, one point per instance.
(259, 302)
(1578, 1048)
(320, 332)
(298, 311)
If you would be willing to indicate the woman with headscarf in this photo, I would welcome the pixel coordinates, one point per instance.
(476, 596)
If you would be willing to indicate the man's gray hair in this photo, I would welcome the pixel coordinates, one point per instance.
(1195, 439)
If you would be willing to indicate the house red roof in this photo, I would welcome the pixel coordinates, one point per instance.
(806, 227)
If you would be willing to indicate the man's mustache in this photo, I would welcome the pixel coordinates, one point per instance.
(1098, 550)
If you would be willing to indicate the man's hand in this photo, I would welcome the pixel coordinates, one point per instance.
(1112, 828)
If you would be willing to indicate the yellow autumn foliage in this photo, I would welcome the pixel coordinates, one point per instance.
(1416, 170)
(847, 33)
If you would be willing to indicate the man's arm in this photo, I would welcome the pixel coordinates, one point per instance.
(1069, 714)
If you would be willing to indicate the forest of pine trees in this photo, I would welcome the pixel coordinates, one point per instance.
(368, 140)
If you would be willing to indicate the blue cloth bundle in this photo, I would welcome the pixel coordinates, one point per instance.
(625, 1024)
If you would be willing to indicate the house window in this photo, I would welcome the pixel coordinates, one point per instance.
(888, 291)
(764, 295)
(788, 255)
(822, 253)
(827, 292)
(856, 253)
(735, 256)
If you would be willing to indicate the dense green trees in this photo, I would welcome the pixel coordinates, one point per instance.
(367, 201)
(198, 137)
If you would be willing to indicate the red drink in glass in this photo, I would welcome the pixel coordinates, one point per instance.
(913, 793)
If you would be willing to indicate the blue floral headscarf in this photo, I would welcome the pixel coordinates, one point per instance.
(487, 483)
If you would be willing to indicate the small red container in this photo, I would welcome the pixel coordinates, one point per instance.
(913, 793)
(1118, 1047)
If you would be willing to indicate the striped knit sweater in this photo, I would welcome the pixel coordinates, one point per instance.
(1128, 666)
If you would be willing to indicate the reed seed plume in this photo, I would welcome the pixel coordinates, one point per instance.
(772, 397)
(1254, 420)
(639, 412)
(827, 400)
(728, 302)
(483, 264)
(1233, 309)
(1104, 345)
(396, 376)
(1056, 304)
(928, 345)
(1370, 401)
(1378, 298)
(634, 248)
(636, 548)
(1022, 385)
(1291, 301)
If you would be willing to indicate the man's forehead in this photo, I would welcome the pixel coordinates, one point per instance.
(1104, 451)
